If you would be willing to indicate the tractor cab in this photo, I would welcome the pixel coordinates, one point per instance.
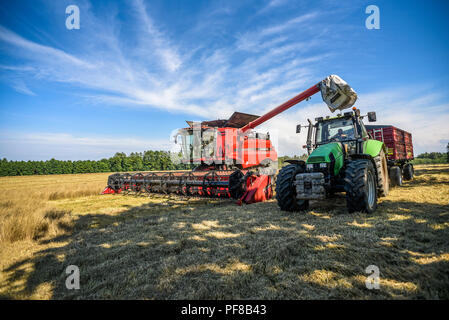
(347, 129)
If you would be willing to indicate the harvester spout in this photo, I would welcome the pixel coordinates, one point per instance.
(336, 93)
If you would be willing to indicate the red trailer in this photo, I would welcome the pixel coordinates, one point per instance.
(399, 150)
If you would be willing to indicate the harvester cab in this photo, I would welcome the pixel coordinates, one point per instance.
(220, 144)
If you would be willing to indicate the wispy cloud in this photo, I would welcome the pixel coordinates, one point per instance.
(154, 72)
(21, 87)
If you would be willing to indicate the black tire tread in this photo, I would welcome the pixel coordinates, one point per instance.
(355, 180)
(382, 181)
(286, 191)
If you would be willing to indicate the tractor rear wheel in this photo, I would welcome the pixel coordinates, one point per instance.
(396, 176)
(383, 183)
(286, 191)
(361, 186)
(408, 171)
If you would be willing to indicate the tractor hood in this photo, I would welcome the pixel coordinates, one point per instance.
(330, 153)
(322, 153)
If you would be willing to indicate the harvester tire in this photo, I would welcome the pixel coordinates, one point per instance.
(383, 182)
(408, 171)
(236, 184)
(286, 191)
(395, 176)
(360, 186)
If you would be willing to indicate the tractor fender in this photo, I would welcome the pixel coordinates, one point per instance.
(298, 162)
(361, 156)
(373, 147)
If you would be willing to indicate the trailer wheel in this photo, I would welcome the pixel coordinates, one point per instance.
(396, 176)
(383, 183)
(408, 171)
(286, 191)
(361, 186)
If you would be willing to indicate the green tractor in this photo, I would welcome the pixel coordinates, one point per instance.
(342, 158)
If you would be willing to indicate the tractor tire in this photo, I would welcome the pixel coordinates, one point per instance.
(286, 190)
(396, 176)
(361, 186)
(408, 172)
(383, 182)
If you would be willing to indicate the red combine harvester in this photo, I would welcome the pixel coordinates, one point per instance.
(232, 159)
(399, 151)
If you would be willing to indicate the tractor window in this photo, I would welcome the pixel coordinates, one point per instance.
(336, 130)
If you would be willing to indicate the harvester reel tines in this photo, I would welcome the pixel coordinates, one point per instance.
(147, 182)
(164, 180)
(136, 184)
(182, 185)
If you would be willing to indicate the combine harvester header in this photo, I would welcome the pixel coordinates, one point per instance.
(233, 160)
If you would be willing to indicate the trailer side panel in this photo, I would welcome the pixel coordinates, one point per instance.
(398, 142)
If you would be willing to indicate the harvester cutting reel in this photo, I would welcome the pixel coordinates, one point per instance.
(245, 186)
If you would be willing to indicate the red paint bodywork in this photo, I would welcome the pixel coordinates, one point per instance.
(398, 142)
(233, 148)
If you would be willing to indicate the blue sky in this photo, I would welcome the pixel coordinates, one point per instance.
(135, 70)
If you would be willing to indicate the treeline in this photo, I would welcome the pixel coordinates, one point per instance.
(136, 161)
(432, 157)
(281, 160)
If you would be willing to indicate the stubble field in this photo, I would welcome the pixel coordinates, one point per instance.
(170, 247)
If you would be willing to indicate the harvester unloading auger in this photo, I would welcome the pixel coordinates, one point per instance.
(233, 160)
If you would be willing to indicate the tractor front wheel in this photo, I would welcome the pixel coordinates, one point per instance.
(286, 191)
(361, 186)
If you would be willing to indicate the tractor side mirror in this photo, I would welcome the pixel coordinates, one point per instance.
(298, 128)
(372, 117)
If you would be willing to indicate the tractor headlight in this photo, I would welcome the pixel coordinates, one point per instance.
(323, 165)
(310, 167)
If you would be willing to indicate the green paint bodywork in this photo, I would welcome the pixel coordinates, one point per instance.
(372, 147)
(321, 154)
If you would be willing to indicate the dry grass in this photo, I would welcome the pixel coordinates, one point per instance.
(167, 247)
(25, 209)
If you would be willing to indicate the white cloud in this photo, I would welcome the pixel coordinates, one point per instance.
(421, 115)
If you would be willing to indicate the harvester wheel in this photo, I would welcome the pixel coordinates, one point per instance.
(286, 191)
(408, 171)
(396, 176)
(360, 186)
(383, 183)
(236, 184)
